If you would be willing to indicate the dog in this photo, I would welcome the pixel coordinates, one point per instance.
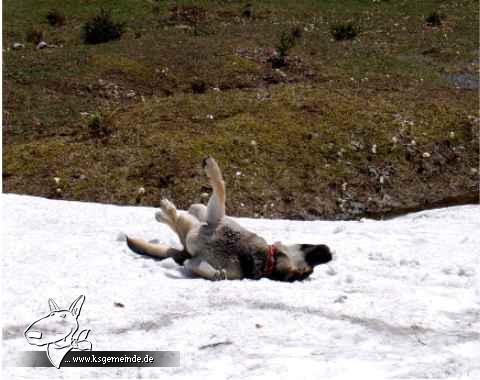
(216, 247)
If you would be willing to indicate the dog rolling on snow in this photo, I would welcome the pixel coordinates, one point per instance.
(216, 247)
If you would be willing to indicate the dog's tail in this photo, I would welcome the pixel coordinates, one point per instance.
(158, 251)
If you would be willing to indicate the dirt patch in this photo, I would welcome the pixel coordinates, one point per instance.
(342, 129)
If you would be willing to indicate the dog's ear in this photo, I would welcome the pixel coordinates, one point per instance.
(316, 254)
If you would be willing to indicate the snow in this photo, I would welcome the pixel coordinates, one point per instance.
(400, 300)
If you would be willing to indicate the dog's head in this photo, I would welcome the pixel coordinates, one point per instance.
(296, 262)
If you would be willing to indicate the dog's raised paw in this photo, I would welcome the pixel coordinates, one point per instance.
(168, 208)
(205, 161)
(212, 170)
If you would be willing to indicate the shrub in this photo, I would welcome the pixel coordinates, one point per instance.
(56, 17)
(344, 31)
(99, 126)
(287, 41)
(34, 35)
(247, 11)
(434, 19)
(198, 86)
(101, 28)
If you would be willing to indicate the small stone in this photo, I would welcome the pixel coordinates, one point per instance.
(57, 180)
(253, 143)
(331, 271)
(141, 191)
(426, 155)
(374, 148)
(210, 116)
(473, 170)
(467, 272)
(204, 195)
(341, 299)
(394, 139)
(59, 191)
(17, 46)
(451, 135)
(42, 45)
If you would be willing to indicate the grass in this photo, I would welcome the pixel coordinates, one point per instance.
(296, 135)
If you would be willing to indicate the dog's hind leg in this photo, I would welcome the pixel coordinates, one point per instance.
(203, 269)
(159, 251)
(216, 203)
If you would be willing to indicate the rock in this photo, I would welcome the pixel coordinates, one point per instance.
(17, 46)
(42, 45)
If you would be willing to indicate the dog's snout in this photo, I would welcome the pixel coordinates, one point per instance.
(34, 334)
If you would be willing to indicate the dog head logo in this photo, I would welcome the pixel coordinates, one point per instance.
(57, 330)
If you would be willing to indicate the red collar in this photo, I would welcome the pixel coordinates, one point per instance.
(270, 260)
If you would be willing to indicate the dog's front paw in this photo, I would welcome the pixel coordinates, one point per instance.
(168, 208)
(220, 275)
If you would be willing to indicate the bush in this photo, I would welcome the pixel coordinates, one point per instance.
(287, 41)
(247, 11)
(434, 19)
(56, 17)
(198, 86)
(34, 35)
(99, 126)
(344, 31)
(101, 28)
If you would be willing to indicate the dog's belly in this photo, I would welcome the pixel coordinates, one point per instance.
(224, 245)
